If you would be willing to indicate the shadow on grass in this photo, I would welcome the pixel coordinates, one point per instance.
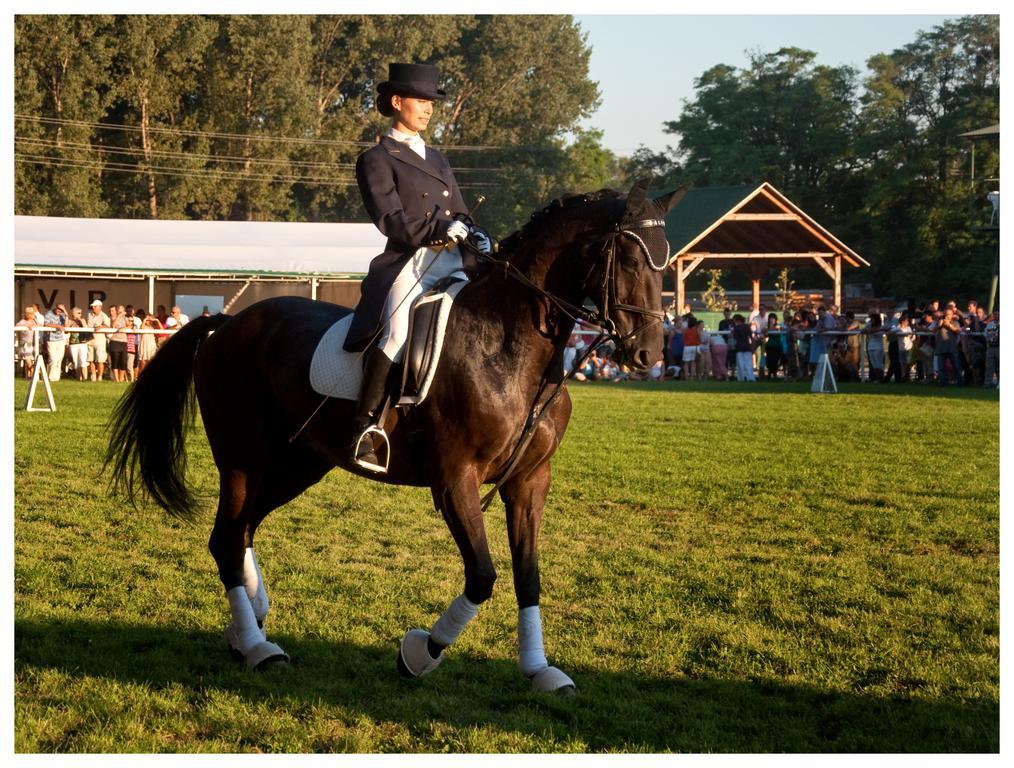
(614, 711)
(801, 387)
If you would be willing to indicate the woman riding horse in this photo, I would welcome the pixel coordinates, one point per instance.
(495, 413)
(410, 193)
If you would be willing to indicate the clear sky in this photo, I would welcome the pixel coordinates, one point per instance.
(626, 50)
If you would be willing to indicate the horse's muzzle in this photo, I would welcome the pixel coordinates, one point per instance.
(643, 359)
(637, 358)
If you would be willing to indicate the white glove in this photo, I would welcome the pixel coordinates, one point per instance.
(482, 242)
(457, 232)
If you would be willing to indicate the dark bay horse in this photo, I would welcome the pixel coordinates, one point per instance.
(504, 342)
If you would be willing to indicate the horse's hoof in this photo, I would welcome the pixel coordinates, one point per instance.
(551, 680)
(278, 661)
(264, 655)
(232, 640)
(414, 658)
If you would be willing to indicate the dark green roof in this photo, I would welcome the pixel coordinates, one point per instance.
(689, 226)
(699, 209)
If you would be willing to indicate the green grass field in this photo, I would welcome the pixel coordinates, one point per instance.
(725, 568)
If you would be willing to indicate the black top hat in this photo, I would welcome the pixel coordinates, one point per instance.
(415, 80)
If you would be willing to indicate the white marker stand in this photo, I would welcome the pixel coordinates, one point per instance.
(40, 372)
(824, 374)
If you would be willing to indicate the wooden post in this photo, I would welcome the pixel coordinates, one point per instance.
(837, 281)
(680, 292)
(756, 292)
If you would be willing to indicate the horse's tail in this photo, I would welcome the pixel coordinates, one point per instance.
(147, 443)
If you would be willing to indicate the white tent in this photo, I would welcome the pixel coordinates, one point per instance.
(208, 247)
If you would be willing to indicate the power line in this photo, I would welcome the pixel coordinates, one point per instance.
(242, 136)
(168, 154)
(183, 132)
(204, 173)
(100, 165)
(139, 153)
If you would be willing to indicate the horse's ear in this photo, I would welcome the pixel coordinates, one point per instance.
(667, 202)
(635, 198)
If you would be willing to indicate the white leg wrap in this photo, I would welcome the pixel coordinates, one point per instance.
(447, 628)
(531, 653)
(254, 584)
(245, 637)
(244, 633)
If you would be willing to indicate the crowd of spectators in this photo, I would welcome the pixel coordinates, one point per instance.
(93, 345)
(924, 343)
(927, 343)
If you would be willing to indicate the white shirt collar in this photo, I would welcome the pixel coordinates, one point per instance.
(414, 141)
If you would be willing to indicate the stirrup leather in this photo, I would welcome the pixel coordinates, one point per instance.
(385, 449)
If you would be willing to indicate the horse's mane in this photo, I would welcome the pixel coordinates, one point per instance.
(547, 215)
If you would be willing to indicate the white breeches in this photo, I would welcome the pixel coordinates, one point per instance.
(79, 354)
(432, 267)
(56, 353)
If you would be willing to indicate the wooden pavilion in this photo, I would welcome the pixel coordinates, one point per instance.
(753, 229)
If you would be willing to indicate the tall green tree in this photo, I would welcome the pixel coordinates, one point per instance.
(921, 204)
(784, 119)
(257, 117)
(155, 75)
(517, 85)
(350, 57)
(645, 163)
(588, 165)
(255, 92)
(60, 91)
(883, 165)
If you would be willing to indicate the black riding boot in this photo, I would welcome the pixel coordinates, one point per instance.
(371, 397)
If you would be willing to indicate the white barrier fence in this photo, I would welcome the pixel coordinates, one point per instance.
(37, 330)
(759, 337)
(39, 372)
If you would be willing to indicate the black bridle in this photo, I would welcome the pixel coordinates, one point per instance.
(608, 301)
(601, 318)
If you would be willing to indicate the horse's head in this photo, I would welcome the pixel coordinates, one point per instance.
(608, 248)
(626, 281)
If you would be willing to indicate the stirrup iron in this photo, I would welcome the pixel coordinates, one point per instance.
(385, 448)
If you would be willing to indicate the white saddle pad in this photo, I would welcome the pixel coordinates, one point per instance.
(333, 371)
(339, 374)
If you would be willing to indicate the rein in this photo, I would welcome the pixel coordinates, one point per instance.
(601, 318)
(535, 415)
